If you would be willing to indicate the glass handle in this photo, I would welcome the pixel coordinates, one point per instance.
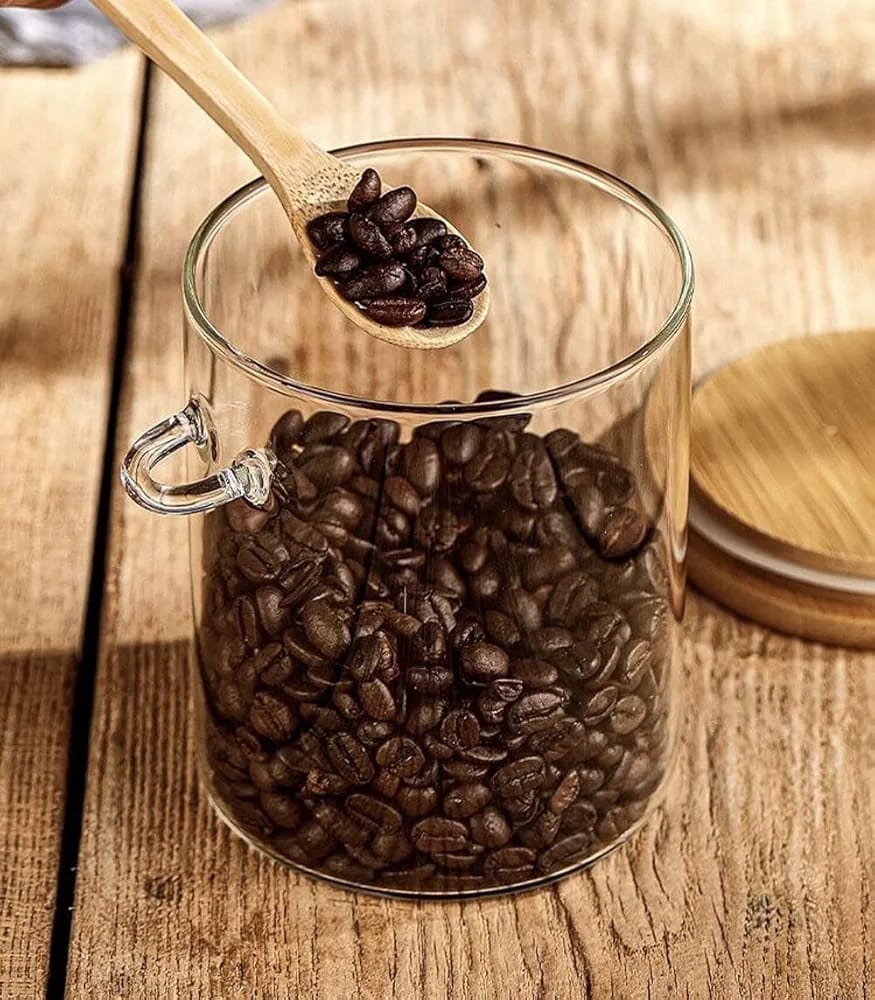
(248, 476)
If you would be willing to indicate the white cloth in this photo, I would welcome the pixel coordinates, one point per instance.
(77, 32)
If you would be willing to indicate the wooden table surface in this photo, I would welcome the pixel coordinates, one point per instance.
(754, 124)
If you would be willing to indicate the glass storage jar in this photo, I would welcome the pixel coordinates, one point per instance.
(437, 593)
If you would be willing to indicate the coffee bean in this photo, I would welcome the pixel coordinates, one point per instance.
(535, 673)
(461, 263)
(401, 756)
(396, 311)
(324, 629)
(422, 465)
(326, 230)
(482, 662)
(366, 235)
(522, 775)
(534, 712)
(373, 813)
(272, 717)
(563, 852)
(565, 792)
(414, 802)
(460, 729)
(338, 262)
(450, 311)
(432, 284)
(377, 699)
(396, 205)
(424, 715)
(622, 531)
(600, 705)
(350, 758)
(627, 715)
(532, 480)
(439, 835)
(282, 809)
(466, 799)
(428, 230)
(570, 598)
(366, 191)
(509, 864)
(374, 282)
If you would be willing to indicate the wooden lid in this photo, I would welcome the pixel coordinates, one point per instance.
(782, 510)
(783, 445)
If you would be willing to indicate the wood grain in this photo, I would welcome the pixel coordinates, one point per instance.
(70, 140)
(784, 446)
(754, 128)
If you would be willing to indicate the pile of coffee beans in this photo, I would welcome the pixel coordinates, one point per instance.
(399, 270)
(437, 665)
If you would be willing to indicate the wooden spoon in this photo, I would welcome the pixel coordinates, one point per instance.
(307, 180)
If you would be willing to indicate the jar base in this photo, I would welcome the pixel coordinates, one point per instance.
(434, 895)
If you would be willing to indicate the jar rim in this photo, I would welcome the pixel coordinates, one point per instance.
(610, 183)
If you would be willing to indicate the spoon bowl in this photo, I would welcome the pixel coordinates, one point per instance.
(307, 180)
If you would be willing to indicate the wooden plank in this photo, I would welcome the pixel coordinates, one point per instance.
(70, 139)
(755, 882)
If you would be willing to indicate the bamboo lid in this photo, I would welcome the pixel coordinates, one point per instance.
(783, 487)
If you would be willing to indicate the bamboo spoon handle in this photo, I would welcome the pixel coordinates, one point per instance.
(184, 52)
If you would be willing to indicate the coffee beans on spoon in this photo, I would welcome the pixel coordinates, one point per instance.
(401, 271)
(425, 666)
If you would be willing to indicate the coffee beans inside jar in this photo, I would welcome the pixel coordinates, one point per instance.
(401, 271)
(437, 664)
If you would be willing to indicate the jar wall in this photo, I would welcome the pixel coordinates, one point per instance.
(443, 658)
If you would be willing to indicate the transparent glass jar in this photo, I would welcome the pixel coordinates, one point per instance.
(437, 593)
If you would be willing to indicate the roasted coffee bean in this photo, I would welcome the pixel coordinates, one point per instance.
(366, 191)
(535, 673)
(571, 597)
(533, 713)
(466, 799)
(600, 705)
(525, 774)
(396, 205)
(635, 661)
(460, 729)
(459, 443)
(488, 469)
(377, 699)
(373, 813)
(326, 230)
(450, 311)
(367, 236)
(422, 465)
(627, 715)
(432, 285)
(396, 310)
(401, 756)
(429, 680)
(428, 230)
(329, 466)
(622, 531)
(509, 864)
(374, 282)
(324, 783)
(501, 629)
(565, 792)
(461, 263)
(424, 714)
(282, 809)
(338, 262)
(415, 802)
(439, 835)
(272, 717)
(482, 662)
(350, 758)
(521, 607)
(532, 480)
(490, 828)
(326, 631)
(563, 852)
